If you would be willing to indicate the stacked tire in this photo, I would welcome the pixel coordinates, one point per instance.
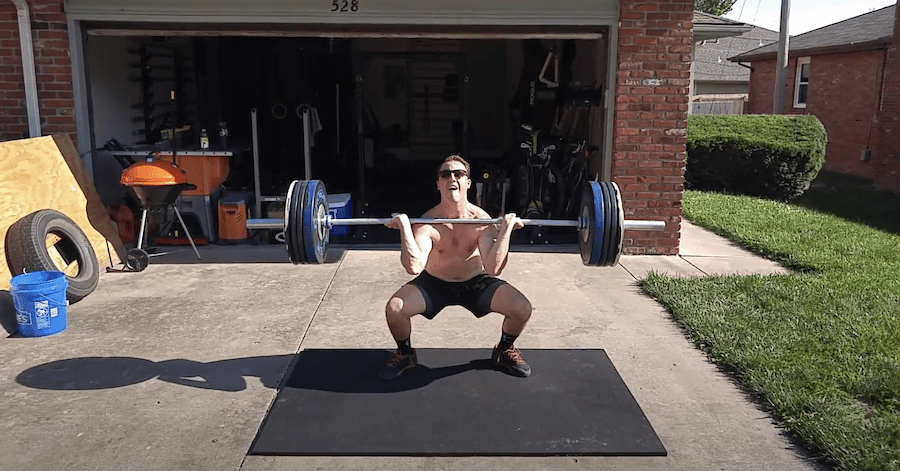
(27, 251)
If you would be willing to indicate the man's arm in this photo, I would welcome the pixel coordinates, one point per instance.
(494, 244)
(415, 245)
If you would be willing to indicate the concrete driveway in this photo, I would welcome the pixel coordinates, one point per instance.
(175, 367)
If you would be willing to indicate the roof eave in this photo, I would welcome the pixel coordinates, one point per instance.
(880, 43)
(703, 32)
(722, 82)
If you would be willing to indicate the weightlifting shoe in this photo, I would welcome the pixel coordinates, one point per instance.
(511, 361)
(396, 365)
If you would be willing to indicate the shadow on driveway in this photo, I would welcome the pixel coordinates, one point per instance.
(328, 370)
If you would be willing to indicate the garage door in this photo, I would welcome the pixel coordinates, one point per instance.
(435, 19)
(349, 12)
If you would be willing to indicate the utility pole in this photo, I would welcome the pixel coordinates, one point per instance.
(782, 62)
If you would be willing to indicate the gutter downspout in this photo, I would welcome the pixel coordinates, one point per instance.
(31, 97)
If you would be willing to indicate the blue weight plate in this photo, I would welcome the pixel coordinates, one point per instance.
(618, 232)
(315, 233)
(608, 223)
(296, 223)
(601, 225)
(289, 212)
(300, 237)
(585, 233)
(590, 237)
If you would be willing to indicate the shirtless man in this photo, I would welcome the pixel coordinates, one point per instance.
(456, 264)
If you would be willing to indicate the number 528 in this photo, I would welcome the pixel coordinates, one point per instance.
(344, 6)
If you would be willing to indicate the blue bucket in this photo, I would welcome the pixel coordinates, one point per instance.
(40, 302)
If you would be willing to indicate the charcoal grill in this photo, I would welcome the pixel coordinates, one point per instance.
(157, 184)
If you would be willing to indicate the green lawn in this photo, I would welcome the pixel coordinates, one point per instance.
(820, 347)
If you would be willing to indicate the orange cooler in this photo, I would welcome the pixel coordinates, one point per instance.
(233, 217)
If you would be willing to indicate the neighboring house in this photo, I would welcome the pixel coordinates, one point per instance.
(722, 86)
(87, 73)
(848, 75)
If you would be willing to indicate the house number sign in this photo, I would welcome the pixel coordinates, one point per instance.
(344, 6)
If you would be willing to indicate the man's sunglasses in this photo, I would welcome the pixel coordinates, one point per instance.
(456, 173)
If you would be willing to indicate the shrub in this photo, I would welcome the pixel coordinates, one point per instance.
(771, 156)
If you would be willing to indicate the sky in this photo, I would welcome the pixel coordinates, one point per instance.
(805, 15)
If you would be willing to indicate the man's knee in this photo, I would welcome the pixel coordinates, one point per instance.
(519, 308)
(524, 309)
(394, 307)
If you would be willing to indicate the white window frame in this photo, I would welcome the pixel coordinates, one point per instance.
(800, 62)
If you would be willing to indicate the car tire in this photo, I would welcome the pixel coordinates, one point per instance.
(27, 251)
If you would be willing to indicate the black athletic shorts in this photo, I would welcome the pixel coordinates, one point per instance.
(475, 294)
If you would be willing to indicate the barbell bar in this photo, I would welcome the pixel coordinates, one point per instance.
(630, 225)
(601, 223)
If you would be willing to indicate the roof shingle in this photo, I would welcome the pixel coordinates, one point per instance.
(710, 59)
(870, 29)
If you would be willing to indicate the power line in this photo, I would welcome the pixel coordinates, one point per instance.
(741, 14)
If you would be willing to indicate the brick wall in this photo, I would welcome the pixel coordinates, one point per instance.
(886, 156)
(652, 89)
(843, 94)
(52, 68)
(845, 100)
(760, 95)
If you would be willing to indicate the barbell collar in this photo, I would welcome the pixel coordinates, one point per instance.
(639, 225)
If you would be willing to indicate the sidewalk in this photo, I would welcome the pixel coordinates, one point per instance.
(701, 253)
(174, 368)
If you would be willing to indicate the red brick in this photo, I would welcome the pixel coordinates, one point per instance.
(51, 52)
(53, 35)
(635, 15)
(625, 32)
(649, 164)
(55, 69)
(60, 120)
(644, 40)
(54, 17)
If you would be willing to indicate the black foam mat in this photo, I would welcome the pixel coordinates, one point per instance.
(454, 403)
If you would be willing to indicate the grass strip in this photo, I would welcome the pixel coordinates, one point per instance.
(820, 347)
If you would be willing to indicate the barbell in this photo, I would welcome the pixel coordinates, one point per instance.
(600, 224)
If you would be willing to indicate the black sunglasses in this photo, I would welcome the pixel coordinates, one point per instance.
(455, 173)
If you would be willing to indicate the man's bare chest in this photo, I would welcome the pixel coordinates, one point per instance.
(459, 239)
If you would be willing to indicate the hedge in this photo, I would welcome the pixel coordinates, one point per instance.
(770, 156)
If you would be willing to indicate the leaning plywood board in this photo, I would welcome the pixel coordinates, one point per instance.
(47, 173)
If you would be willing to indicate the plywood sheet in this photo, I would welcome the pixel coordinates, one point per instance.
(47, 173)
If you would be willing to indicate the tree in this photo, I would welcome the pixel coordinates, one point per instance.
(714, 7)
